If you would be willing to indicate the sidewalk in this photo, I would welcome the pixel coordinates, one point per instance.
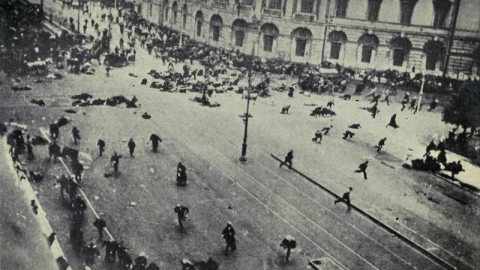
(469, 177)
(22, 244)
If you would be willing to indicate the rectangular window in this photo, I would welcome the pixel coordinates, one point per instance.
(301, 46)
(268, 43)
(373, 10)
(150, 10)
(335, 50)
(366, 53)
(341, 11)
(432, 59)
(247, 2)
(398, 57)
(275, 4)
(216, 33)
(406, 11)
(239, 35)
(307, 6)
(175, 17)
(199, 28)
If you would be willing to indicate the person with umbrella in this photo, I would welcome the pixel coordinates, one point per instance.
(101, 146)
(288, 243)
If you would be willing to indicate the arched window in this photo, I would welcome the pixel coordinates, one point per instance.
(239, 26)
(400, 49)
(441, 8)
(175, 12)
(165, 17)
(336, 39)
(369, 45)
(199, 23)
(216, 23)
(406, 11)
(270, 33)
(301, 37)
(184, 14)
(433, 51)
(373, 10)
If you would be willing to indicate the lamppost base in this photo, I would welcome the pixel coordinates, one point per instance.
(243, 157)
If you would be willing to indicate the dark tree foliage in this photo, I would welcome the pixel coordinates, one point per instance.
(463, 108)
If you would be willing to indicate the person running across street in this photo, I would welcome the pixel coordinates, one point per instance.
(288, 159)
(381, 143)
(345, 198)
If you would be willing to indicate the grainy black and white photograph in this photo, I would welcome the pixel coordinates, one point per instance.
(239, 134)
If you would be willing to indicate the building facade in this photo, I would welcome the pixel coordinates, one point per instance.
(380, 34)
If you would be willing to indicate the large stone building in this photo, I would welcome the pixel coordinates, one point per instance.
(381, 34)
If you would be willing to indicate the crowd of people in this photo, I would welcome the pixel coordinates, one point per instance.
(163, 44)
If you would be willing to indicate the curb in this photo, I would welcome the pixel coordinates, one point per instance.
(457, 184)
(417, 247)
(41, 216)
(89, 203)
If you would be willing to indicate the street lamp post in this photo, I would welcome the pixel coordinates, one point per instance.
(243, 157)
(181, 27)
(78, 17)
(110, 18)
(420, 94)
